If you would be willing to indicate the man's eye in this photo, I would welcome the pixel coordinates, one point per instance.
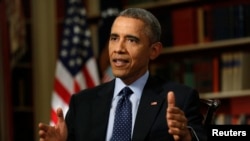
(113, 38)
(132, 40)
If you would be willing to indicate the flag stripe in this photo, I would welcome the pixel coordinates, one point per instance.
(76, 86)
(61, 91)
(58, 102)
(64, 77)
(80, 80)
(89, 81)
(93, 71)
(53, 116)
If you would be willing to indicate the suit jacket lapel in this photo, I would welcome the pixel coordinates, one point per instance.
(150, 104)
(100, 111)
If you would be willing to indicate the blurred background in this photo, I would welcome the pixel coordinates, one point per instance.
(50, 49)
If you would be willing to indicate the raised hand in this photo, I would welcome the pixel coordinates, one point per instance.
(176, 120)
(54, 133)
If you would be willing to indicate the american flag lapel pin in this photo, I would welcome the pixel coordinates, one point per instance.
(153, 103)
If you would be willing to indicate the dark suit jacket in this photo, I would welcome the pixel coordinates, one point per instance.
(88, 114)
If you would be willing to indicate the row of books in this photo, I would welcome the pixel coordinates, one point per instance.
(206, 23)
(227, 72)
(235, 68)
(228, 119)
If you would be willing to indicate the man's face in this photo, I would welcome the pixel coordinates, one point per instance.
(129, 49)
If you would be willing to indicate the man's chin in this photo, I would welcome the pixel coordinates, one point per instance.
(119, 74)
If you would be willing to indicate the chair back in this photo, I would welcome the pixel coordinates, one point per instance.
(211, 106)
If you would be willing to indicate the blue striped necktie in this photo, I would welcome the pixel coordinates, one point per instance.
(123, 117)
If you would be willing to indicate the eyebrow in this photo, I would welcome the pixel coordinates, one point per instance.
(113, 35)
(127, 36)
(133, 37)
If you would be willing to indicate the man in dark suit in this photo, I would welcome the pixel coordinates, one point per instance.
(161, 111)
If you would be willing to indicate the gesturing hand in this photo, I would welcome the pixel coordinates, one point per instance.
(54, 133)
(176, 120)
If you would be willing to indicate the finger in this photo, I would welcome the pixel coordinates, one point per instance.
(176, 134)
(171, 99)
(43, 127)
(60, 115)
(42, 134)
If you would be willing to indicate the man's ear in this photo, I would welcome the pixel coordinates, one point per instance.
(156, 49)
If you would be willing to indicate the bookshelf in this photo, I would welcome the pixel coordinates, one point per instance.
(209, 44)
(222, 95)
(151, 4)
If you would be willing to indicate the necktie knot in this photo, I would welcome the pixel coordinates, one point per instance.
(126, 91)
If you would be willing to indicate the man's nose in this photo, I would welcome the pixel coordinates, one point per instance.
(120, 48)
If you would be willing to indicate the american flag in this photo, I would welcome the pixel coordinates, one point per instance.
(76, 66)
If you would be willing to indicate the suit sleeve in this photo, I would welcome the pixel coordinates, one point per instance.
(188, 100)
(193, 113)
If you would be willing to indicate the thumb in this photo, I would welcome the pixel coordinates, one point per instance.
(60, 116)
(171, 99)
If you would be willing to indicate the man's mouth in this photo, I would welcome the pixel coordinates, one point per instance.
(120, 62)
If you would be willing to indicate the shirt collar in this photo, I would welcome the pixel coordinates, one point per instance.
(136, 86)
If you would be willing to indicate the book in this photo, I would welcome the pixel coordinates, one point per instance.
(239, 105)
(216, 74)
(247, 19)
(207, 21)
(200, 25)
(238, 21)
(189, 74)
(184, 22)
(241, 69)
(203, 70)
(222, 23)
(166, 28)
(226, 71)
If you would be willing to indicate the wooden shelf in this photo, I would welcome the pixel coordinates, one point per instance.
(160, 3)
(206, 46)
(229, 94)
